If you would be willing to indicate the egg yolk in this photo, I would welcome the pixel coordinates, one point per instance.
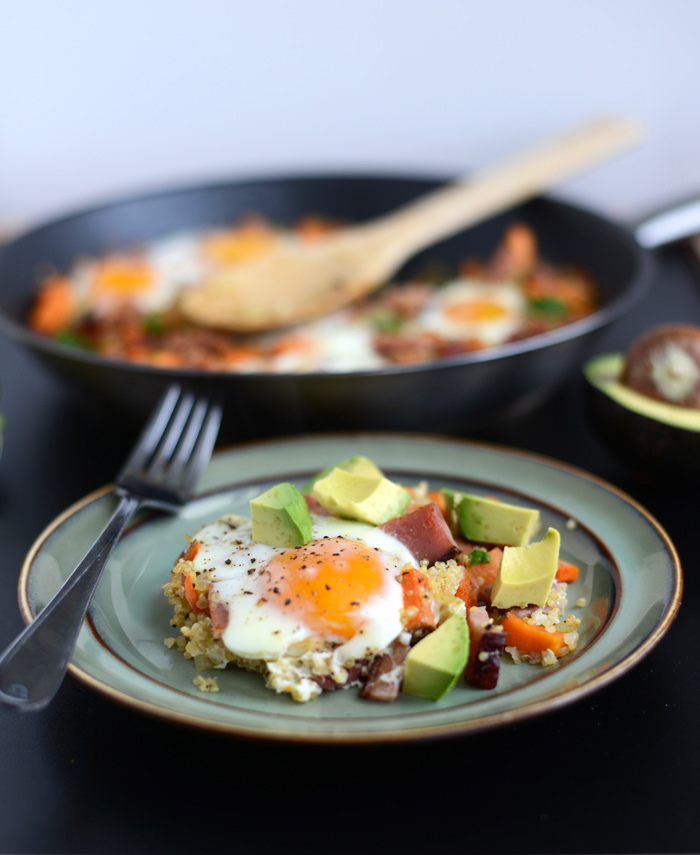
(122, 277)
(240, 244)
(474, 310)
(325, 583)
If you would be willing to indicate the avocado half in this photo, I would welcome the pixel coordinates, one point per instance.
(653, 439)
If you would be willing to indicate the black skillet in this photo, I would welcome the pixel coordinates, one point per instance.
(456, 394)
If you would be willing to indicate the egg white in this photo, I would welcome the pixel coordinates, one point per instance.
(331, 344)
(177, 264)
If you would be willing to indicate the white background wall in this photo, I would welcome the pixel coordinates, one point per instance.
(102, 98)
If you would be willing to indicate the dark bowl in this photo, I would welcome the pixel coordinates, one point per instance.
(455, 394)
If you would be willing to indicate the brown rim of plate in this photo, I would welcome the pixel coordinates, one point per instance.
(406, 735)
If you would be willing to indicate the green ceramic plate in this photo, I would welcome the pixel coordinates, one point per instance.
(631, 581)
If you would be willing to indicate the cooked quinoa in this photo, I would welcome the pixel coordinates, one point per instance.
(295, 675)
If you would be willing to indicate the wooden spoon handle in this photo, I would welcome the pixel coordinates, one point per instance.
(496, 188)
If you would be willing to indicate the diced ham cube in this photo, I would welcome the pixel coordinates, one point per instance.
(219, 617)
(424, 533)
(315, 507)
(386, 673)
(328, 684)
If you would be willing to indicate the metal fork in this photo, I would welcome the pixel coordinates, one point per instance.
(161, 472)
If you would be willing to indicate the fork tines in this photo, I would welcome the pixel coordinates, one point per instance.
(176, 442)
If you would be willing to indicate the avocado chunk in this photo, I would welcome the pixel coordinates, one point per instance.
(372, 499)
(483, 520)
(437, 661)
(526, 573)
(358, 465)
(280, 517)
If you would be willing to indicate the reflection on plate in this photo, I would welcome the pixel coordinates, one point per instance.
(631, 581)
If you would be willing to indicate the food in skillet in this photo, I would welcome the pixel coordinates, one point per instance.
(125, 306)
(357, 581)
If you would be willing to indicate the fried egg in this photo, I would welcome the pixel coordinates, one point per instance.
(338, 593)
(147, 280)
(465, 309)
(336, 343)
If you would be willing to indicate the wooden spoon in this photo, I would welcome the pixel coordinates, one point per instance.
(296, 281)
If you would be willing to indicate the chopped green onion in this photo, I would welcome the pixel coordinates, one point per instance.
(73, 339)
(548, 306)
(386, 322)
(153, 324)
(478, 556)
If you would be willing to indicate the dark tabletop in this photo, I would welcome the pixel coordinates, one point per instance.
(617, 771)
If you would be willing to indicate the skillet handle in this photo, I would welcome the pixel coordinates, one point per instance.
(672, 223)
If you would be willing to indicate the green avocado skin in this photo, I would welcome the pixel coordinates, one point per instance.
(653, 451)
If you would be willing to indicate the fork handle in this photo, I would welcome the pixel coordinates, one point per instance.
(34, 665)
